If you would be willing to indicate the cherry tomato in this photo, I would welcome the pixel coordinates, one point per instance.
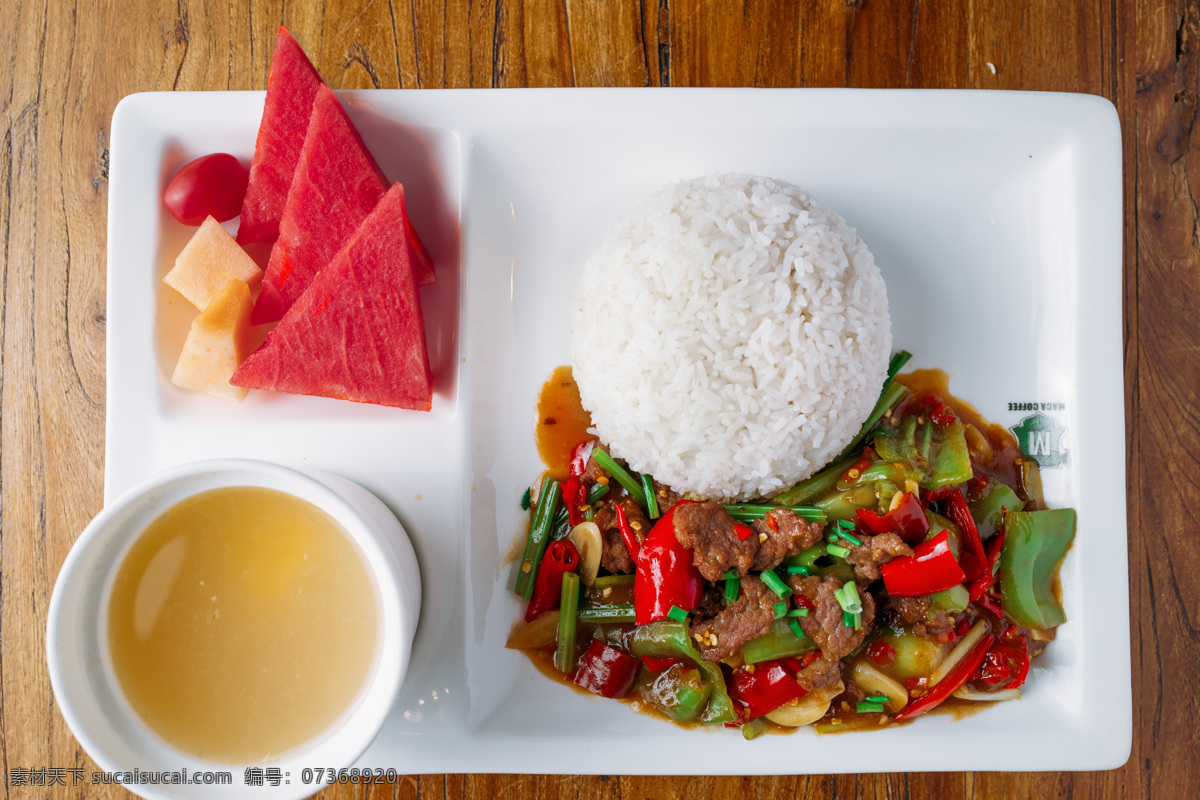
(212, 185)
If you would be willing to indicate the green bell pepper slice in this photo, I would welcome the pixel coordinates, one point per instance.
(669, 638)
(952, 462)
(1029, 558)
(988, 510)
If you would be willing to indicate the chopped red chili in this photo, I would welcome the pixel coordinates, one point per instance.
(561, 557)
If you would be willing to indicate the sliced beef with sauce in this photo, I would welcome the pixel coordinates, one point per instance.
(781, 534)
(616, 557)
(593, 473)
(708, 530)
(747, 618)
(917, 614)
(822, 673)
(874, 553)
(825, 623)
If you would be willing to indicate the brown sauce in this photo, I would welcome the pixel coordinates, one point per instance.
(562, 422)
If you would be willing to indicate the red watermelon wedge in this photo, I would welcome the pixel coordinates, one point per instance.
(336, 185)
(292, 85)
(357, 333)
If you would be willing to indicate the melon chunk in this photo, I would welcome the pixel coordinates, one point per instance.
(209, 261)
(217, 344)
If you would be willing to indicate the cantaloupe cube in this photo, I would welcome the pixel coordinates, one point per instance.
(217, 344)
(209, 261)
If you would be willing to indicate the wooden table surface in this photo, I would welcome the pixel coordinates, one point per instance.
(68, 62)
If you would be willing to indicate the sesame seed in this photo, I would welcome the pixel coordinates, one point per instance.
(607, 591)
(602, 480)
(853, 473)
(637, 526)
(762, 537)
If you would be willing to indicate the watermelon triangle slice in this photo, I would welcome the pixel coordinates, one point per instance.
(357, 333)
(292, 85)
(336, 185)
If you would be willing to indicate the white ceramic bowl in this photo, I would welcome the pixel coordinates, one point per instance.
(77, 643)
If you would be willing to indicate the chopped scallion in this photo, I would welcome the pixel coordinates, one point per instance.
(798, 612)
(845, 524)
(849, 537)
(803, 570)
(796, 629)
(870, 708)
(837, 550)
(733, 587)
(780, 610)
(651, 501)
(775, 584)
(678, 614)
(620, 473)
(730, 574)
(878, 698)
(748, 511)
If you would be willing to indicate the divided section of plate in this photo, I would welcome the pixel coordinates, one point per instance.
(995, 218)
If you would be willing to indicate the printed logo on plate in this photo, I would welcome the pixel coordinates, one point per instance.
(1041, 438)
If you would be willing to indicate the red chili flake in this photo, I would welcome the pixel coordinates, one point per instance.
(962, 627)
(772, 524)
(809, 658)
(881, 652)
(803, 602)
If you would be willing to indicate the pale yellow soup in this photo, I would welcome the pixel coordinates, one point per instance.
(243, 622)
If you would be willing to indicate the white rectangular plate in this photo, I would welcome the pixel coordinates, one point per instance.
(995, 218)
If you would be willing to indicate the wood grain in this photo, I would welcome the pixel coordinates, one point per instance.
(68, 62)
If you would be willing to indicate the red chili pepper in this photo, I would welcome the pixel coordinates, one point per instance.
(574, 495)
(1006, 664)
(881, 653)
(771, 523)
(978, 483)
(766, 688)
(743, 532)
(810, 657)
(561, 556)
(863, 462)
(931, 568)
(907, 519)
(985, 601)
(948, 685)
(605, 670)
(627, 534)
(659, 664)
(972, 557)
(666, 575)
(977, 587)
(802, 601)
(580, 456)
(941, 414)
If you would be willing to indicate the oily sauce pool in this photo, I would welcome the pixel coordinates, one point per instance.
(242, 623)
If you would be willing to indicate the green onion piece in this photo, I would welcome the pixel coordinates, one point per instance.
(847, 619)
(564, 658)
(620, 473)
(748, 511)
(857, 620)
(805, 570)
(845, 524)
(837, 550)
(539, 538)
(796, 629)
(733, 587)
(775, 584)
(878, 698)
(854, 540)
(780, 610)
(610, 581)
(651, 501)
(597, 491)
(615, 614)
(798, 612)
(678, 614)
(525, 500)
(729, 575)
(870, 708)
(589, 515)
(853, 601)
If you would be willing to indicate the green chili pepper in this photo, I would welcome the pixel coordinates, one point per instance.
(754, 728)
(952, 462)
(956, 598)
(988, 510)
(669, 639)
(818, 484)
(779, 642)
(806, 558)
(1033, 548)
(843, 505)
(679, 691)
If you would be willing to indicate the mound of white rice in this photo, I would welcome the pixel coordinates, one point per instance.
(730, 336)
